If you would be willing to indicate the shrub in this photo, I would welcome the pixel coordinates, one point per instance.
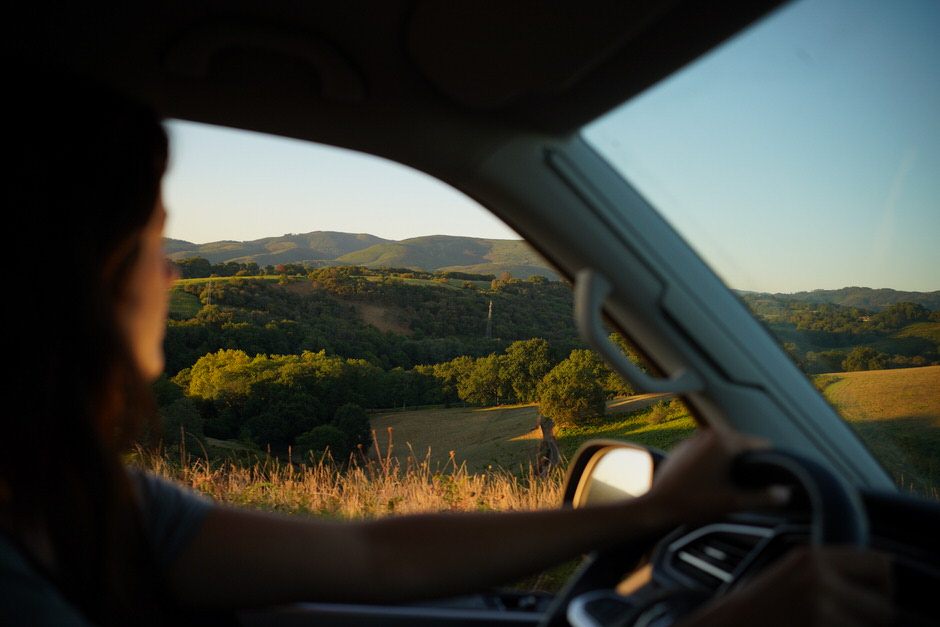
(664, 411)
(320, 439)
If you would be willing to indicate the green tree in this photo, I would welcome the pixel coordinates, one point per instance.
(177, 412)
(524, 365)
(450, 373)
(573, 392)
(482, 385)
(353, 421)
(194, 267)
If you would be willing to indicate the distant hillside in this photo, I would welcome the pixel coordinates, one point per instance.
(316, 246)
(459, 254)
(321, 248)
(866, 297)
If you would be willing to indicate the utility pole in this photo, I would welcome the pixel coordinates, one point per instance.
(489, 322)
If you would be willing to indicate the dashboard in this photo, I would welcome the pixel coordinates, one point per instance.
(695, 564)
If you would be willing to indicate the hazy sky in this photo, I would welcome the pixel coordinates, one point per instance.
(230, 184)
(804, 154)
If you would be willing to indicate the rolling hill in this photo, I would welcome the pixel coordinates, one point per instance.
(316, 246)
(322, 248)
(459, 254)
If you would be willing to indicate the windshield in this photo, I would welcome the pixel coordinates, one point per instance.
(802, 161)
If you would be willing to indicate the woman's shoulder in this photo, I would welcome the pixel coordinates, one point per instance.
(172, 513)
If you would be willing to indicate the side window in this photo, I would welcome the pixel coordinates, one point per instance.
(353, 338)
(802, 161)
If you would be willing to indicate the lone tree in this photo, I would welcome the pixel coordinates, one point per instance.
(573, 391)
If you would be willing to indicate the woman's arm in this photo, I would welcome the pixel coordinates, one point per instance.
(243, 558)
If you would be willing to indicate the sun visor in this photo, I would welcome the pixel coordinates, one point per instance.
(265, 59)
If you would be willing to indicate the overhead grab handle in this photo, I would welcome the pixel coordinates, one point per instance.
(590, 292)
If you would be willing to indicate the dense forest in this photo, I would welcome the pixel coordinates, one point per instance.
(296, 357)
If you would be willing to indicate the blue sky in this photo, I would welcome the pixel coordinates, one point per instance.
(803, 154)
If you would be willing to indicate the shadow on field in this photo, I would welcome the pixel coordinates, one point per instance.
(908, 448)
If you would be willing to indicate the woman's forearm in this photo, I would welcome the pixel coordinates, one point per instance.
(435, 555)
(243, 558)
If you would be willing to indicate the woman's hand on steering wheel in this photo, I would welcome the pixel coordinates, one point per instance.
(695, 483)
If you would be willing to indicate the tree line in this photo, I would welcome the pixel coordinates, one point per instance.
(284, 400)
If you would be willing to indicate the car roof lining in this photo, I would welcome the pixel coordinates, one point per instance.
(338, 72)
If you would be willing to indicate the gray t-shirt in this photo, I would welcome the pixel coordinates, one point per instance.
(172, 516)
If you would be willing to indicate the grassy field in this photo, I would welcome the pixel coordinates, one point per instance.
(506, 437)
(897, 414)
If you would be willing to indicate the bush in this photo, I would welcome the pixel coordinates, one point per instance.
(321, 439)
(664, 411)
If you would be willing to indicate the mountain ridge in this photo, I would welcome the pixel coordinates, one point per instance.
(428, 253)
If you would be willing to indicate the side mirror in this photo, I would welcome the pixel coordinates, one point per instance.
(609, 471)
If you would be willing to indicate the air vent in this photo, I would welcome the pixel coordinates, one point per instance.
(712, 559)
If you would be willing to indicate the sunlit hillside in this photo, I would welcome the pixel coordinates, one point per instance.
(897, 413)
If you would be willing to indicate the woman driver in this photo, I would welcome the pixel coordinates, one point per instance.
(85, 541)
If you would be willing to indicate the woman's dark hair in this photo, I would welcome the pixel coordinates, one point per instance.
(87, 164)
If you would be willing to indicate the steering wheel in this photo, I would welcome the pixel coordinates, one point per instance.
(837, 517)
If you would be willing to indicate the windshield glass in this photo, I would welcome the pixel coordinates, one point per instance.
(802, 161)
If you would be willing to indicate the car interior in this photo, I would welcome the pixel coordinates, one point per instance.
(490, 98)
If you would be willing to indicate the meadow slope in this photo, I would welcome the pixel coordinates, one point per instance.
(897, 414)
(506, 437)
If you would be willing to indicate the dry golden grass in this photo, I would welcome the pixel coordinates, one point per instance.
(364, 489)
(371, 488)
